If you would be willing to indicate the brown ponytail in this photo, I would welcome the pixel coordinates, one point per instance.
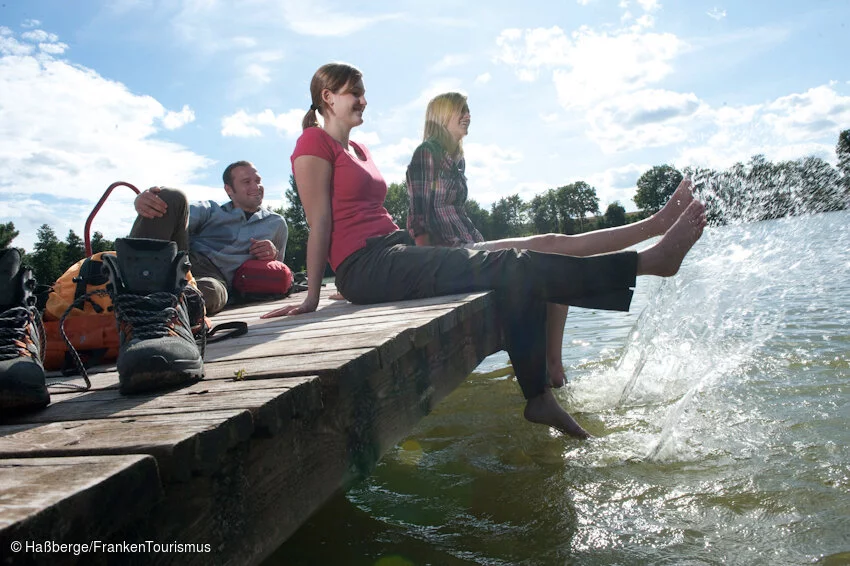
(334, 77)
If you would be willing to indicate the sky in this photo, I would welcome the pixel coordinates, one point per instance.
(168, 92)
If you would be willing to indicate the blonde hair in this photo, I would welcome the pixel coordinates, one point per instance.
(440, 111)
(334, 77)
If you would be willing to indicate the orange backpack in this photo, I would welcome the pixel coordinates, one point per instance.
(89, 325)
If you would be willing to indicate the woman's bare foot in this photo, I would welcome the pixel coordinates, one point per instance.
(678, 203)
(665, 257)
(337, 297)
(545, 409)
(557, 375)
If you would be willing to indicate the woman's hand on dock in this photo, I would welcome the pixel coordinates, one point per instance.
(289, 310)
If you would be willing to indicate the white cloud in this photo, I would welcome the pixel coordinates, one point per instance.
(449, 61)
(392, 159)
(257, 73)
(590, 65)
(716, 14)
(317, 19)
(809, 115)
(490, 166)
(789, 127)
(529, 51)
(30, 23)
(175, 120)
(39, 36)
(649, 5)
(242, 124)
(67, 133)
(717, 137)
(483, 78)
(644, 22)
(617, 184)
(370, 139)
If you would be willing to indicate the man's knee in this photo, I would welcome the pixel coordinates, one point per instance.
(214, 292)
(173, 198)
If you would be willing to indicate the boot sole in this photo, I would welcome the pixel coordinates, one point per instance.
(175, 374)
(23, 400)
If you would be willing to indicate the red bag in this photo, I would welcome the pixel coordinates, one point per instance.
(258, 277)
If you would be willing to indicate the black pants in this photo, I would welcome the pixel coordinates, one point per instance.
(172, 226)
(391, 268)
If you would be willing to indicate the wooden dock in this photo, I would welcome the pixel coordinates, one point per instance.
(288, 414)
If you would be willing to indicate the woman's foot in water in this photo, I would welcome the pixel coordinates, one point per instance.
(678, 203)
(545, 409)
(665, 257)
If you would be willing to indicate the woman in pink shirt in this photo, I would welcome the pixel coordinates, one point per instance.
(436, 185)
(343, 193)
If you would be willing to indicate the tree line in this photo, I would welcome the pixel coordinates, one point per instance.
(756, 190)
(746, 192)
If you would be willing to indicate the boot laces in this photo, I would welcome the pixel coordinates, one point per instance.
(14, 330)
(150, 316)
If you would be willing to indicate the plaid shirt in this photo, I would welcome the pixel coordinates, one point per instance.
(438, 195)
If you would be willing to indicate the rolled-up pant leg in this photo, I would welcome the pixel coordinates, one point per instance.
(389, 269)
(171, 226)
(210, 282)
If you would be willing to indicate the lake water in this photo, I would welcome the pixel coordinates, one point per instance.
(720, 406)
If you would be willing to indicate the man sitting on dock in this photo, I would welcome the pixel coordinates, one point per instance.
(219, 238)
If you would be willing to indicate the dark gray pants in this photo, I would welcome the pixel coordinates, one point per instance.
(391, 268)
(211, 282)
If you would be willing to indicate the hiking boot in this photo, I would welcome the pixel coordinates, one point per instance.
(22, 338)
(147, 283)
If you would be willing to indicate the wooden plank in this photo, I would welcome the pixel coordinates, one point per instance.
(183, 444)
(329, 309)
(272, 403)
(364, 415)
(319, 363)
(74, 499)
(362, 375)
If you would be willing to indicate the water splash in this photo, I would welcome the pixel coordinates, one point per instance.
(677, 393)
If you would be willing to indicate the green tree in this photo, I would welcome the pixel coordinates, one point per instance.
(507, 217)
(47, 257)
(397, 203)
(7, 234)
(74, 249)
(655, 187)
(480, 218)
(101, 244)
(295, 255)
(576, 200)
(543, 213)
(615, 215)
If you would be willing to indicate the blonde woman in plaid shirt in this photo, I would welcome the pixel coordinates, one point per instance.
(436, 185)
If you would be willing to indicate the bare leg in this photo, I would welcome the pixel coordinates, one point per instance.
(610, 239)
(545, 409)
(665, 257)
(556, 319)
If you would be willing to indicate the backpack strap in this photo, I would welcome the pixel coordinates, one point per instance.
(91, 274)
(236, 328)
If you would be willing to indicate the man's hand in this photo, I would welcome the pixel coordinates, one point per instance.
(262, 249)
(149, 205)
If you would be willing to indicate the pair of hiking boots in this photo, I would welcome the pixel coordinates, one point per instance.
(154, 310)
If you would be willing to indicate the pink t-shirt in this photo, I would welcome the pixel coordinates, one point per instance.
(357, 193)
